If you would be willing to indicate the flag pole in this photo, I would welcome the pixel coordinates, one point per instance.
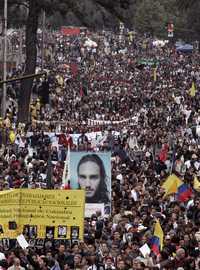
(173, 158)
(66, 168)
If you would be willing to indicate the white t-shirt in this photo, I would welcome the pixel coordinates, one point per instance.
(2, 257)
(134, 195)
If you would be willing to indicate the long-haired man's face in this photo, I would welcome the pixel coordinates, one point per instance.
(89, 178)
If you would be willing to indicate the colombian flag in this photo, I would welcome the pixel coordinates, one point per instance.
(174, 185)
(171, 185)
(157, 239)
(184, 193)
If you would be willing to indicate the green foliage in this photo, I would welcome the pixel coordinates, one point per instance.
(150, 17)
(90, 13)
(186, 4)
(193, 21)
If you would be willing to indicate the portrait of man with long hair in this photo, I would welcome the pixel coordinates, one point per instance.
(92, 177)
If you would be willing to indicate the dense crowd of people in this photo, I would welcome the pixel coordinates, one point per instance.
(105, 97)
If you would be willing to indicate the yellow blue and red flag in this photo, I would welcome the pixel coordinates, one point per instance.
(157, 239)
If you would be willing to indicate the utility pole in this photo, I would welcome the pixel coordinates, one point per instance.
(4, 97)
(43, 39)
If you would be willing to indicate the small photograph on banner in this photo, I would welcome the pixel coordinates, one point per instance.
(62, 231)
(50, 231)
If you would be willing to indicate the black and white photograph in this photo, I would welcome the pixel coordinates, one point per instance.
(62, 231)
(30, 231)
(92, 172)
(74, 233)
(50, 232)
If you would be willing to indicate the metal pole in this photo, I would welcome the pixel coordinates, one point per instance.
(23, 78)
(20, 46)
(3, 105)
(43, 39)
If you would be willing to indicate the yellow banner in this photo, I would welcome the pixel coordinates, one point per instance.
(51, 214)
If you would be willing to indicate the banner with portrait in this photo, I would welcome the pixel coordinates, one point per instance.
(91, 171)
(48, 214)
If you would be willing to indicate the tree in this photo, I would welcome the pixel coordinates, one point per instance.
(186, 4)
(30, 63)
(150, 17)
(192, 21)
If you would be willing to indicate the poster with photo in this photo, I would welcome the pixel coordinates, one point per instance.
(43, 218)
(92, 172)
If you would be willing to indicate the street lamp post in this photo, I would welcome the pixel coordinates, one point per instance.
(20, 47)
(3, 104)
(43, 39)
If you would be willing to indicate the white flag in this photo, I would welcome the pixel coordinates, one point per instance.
(66, 175)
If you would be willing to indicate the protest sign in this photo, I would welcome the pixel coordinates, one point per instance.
(91, 208)
(67, 31)
(37, 213)
(22, 241)
(145, 250)
(91, 171)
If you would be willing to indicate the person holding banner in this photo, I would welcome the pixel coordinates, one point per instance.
(92, 177)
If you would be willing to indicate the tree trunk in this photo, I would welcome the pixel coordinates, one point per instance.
(30, 64)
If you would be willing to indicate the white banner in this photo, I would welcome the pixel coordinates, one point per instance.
(96, 138)
(90, 122)
(92, 208)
